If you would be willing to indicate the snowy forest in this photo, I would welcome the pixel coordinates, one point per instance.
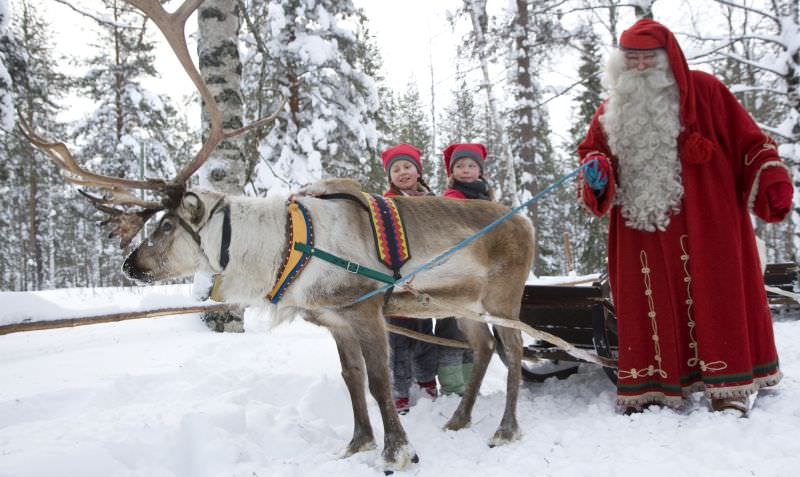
(516, 60)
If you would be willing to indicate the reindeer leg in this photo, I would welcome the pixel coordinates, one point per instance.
(506, 302)
(509, 428)
(371, 332)
(349, 349)
(482, 344)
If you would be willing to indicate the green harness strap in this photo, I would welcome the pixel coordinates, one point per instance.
(351, 267)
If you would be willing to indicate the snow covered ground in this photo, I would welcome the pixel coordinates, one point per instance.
(167, 397)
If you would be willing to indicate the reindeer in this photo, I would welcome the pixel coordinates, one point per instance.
(487, 277)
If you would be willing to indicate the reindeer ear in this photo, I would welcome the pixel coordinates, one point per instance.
(192, 204)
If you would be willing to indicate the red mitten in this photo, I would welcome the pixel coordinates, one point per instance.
(780, 196)
(774, 198)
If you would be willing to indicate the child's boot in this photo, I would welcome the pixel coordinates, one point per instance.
(402, 406)
(451, 379)
(429, 387)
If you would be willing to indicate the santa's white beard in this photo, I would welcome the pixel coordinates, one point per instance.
(642, 122)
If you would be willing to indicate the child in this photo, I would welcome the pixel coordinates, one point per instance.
(464, 166)
(408, 357)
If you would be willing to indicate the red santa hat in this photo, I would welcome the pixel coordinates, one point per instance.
(402, 152)
(454, 152)
(648, 34)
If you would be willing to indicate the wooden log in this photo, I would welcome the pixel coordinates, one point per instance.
(93, 320)
(426, 337)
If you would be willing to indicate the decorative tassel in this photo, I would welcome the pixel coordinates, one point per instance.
(696, 149)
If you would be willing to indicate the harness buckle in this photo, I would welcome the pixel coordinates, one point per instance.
(352, 267)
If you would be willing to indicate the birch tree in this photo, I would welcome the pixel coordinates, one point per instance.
(475, 10)
(219, 24)
(6, 108)
(221, 68)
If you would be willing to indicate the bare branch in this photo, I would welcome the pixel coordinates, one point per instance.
(94, 16)
(763, 13)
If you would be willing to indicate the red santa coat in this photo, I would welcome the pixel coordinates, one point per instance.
(690, 300)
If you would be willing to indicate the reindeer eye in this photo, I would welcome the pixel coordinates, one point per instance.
(167, 227)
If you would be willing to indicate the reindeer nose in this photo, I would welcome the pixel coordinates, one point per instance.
(132, 271)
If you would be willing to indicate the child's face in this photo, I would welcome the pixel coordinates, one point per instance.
(404, 175)
(466, 170)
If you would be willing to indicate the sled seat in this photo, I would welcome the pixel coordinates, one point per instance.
(580, 315)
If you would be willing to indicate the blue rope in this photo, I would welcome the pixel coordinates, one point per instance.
(441, 257)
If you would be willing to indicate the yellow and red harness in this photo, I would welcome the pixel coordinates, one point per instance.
(388, 231)
(391, 244)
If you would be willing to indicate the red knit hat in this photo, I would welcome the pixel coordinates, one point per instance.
(647, 34)
(454, 152)
(402, 152)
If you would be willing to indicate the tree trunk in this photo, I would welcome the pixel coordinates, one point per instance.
(33, 227)
(477, 11)
(525, 114)
(221, 68)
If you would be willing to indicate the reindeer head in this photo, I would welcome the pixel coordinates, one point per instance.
(172, 250)
(176, 247)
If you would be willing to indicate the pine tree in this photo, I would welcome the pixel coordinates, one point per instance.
(309, 55)
(462, 121)
(535, 34)
(367, 58)
(32, 251)
(131, 132)
(404, 120)
(412, 125)
(590, 234)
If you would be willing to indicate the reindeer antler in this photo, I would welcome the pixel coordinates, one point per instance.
(172, 26)
(118, 191)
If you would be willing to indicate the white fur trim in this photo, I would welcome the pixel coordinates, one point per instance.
(653, 397)
(751, 199)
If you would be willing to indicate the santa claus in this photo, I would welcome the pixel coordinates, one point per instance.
(678, 163)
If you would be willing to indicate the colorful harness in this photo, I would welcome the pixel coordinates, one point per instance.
(299, 230)
(387, 230)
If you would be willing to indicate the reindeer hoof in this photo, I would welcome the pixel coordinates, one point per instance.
(504, 436)
(355, 447)
(456, 423)
(402, 457)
